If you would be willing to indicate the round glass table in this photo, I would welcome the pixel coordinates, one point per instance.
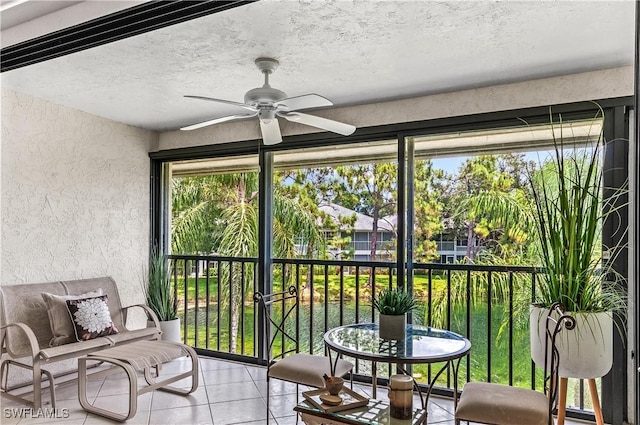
(422, 345)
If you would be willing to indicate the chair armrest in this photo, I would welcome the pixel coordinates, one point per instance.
(151, 315)
(31, 337)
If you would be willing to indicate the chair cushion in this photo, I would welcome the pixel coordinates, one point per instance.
(307, 369)
(502, 405)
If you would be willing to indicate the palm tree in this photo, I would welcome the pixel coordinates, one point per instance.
(194, 200)
(237, 223)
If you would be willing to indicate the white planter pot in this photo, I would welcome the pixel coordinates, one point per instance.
(393, 327)
(170, 330)
(586, 352)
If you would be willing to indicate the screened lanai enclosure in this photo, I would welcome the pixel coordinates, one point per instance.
(416, 206)
(460, 110)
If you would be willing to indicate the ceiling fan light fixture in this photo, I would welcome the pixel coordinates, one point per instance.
(267, 115)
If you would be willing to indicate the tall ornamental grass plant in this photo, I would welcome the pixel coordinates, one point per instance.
(159, 296)
(570, 207)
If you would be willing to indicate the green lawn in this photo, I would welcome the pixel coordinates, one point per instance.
(421, 286)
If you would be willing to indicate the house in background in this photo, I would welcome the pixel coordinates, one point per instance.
(450, 247)
(359, 233)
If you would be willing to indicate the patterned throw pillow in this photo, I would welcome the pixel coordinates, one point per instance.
(91, 317)
(62, 327)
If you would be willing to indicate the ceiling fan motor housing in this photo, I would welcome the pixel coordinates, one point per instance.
(264, 96)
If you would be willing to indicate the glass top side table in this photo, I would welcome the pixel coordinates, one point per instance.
(422, 345)
(376, 412)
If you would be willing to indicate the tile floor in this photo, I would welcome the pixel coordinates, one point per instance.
(229, 393)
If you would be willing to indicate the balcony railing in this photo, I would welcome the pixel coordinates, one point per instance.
(487, 304)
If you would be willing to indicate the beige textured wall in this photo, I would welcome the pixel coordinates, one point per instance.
(75, 196)
(549, 91)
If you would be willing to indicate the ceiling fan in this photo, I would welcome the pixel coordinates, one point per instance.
(268, 103)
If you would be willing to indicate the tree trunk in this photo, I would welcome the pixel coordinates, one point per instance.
(374, 235)
(236, 285)
(374, 243)
(235, 315)
(305, 284)
(470, 248)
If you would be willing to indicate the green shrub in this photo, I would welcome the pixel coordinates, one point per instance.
(394, 302)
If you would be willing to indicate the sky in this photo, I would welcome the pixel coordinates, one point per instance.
(452, 164)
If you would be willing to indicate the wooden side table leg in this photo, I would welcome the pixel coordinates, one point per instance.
(562, 400)
(596, 402)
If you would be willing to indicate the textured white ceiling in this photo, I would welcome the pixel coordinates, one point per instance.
(15, 12)
(352, 52)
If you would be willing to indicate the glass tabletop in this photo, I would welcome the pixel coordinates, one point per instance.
(374, 413)
(423, 344)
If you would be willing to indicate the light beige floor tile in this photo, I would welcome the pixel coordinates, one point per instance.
(211, 364)
(225, 376)
(177, 366)
(237, 412)
(141, 418)
(71, 405)
(289, 420)
(69, 421)
(114, 386)
(46, 416)
(257, 373)
(278, 387)
(282, 405)
(445, 422)
(192, 415)
(69, 391)
(165, 400)
(232, 391)
(14, 404)
(184, 383)
(119, 403)
(436, 414)
(445, 403)
(9, 415)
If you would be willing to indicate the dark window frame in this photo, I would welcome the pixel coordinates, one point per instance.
(613, 403)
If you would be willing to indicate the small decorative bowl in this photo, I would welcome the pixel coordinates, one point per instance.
(334, 385)
(330, 400)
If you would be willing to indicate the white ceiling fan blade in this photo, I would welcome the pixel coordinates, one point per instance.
(270, 132)
(227, 102)
(323, 123)
(303, 102)
(218, 121)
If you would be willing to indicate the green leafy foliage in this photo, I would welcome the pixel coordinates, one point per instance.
(428, 210)
(569, 211)
(394, 302)
(159, 295)
(369, 189)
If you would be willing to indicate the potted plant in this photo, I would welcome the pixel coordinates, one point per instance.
(570, 207)
(159, 296)
(393, 306)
